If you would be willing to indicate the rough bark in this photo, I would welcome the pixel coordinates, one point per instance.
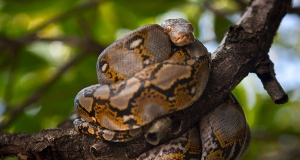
(244, 49)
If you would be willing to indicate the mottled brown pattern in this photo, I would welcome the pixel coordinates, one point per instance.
(130, 97)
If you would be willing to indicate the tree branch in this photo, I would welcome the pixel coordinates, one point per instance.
(244, 49)
(32, 35)
(295, 10)
(265, 72)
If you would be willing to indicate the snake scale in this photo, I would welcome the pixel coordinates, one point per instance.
(149, 73)
(221, 134)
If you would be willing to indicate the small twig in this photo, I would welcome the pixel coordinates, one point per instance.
(265, 72)
(69, 40)
(295, 10)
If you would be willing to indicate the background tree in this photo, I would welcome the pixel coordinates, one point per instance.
(49, 51)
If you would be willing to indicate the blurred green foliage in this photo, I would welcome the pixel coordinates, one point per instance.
(38, 38)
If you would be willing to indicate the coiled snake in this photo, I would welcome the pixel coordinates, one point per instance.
(150, 73)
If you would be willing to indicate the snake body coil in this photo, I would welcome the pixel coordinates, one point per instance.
(221, 134)
(150, 73)
(157, 89)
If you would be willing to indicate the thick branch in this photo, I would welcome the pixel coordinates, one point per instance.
(244, 49)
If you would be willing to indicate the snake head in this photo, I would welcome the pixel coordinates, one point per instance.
(180, 31)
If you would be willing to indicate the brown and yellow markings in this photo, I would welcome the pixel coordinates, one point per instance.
(169, 74)
(142, 77)
(140, 80)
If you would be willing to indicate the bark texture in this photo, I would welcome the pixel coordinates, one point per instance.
(243, 50)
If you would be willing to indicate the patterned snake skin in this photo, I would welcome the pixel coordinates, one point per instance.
(152, 72)
(222, 134)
